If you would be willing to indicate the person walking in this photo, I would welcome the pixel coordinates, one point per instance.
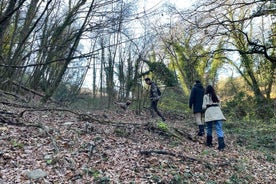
(195, 102)
(213, 115)
(154, 97)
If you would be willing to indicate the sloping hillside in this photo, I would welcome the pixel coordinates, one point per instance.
(54, 145)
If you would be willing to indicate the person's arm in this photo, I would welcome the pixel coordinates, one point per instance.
(191, 99)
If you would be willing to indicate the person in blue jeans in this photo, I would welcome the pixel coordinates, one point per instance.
(213, 115)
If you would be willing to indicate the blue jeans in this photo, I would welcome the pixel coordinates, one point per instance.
(218, 125)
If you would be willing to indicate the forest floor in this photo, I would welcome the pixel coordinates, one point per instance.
(52, 145)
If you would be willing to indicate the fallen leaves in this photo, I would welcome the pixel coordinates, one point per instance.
(71, 150)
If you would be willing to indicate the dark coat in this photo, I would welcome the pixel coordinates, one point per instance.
(153, 92)
(196, 98)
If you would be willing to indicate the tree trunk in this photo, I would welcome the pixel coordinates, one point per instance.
(58, 79)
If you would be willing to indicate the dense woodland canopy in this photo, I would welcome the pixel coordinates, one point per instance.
(49, 46)
(52, 50)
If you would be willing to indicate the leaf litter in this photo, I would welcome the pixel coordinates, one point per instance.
(123, 149)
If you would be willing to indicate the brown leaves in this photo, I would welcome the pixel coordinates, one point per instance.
(71, 150)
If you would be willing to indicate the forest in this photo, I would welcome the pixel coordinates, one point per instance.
(67, 66)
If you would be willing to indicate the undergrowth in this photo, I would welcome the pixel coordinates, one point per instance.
(254, 134)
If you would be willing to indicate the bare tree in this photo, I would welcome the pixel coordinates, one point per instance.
(237, 24)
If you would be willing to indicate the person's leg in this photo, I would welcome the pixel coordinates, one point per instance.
(219, 130)
(220, 135)
(209, 137)
(154, 106)
(198, 118)
(209, 128)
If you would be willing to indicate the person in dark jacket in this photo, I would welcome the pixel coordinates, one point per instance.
(195, 102)
(154, 97)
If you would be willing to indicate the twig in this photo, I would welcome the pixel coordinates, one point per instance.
(186, 135)
(46, 109)
(10, 94)
(10, 120)
(27, 89)
(16, 105)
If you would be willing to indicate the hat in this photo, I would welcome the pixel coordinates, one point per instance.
(147, 79)
(197, 81)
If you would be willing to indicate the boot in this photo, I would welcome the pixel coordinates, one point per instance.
(221, 144)
(209, 141)
(201, 130)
